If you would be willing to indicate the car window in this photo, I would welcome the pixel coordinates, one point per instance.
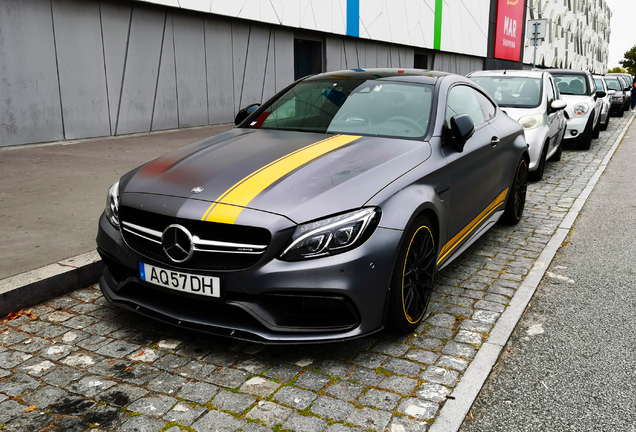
(622, 81)
(599, 84)
(463, 100)
(613, 84)
(512, 91)
(571, 84)
(358, 106)
(550, 91)
(487, 107)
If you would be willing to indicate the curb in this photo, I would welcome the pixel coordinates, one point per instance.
(39, 285)
(454, 411)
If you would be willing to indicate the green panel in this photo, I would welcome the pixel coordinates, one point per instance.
(438, 24)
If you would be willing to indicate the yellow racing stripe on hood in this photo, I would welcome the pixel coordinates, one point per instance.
(229, 205)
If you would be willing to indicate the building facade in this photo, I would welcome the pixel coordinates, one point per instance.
(73, 69)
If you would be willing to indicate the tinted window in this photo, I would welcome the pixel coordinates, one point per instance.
(486, 106)
(613, 84)
(463, 100)
(622, 81)
(571, 84)
(511, 91)
(366, 107)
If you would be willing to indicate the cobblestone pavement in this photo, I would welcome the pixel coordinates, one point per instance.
(75, 363)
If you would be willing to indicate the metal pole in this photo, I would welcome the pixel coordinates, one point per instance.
(535, 34)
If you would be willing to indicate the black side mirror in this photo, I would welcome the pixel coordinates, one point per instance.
(462, 127)
(244, 113)
(601, 94)
(628, 88)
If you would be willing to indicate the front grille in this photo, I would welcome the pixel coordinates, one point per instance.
(208, 231)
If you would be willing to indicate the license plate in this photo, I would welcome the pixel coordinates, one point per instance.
(185, 282)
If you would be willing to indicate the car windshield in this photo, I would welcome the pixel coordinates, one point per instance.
(338, 105)
(599, 84)
(613, 84)
(512, 91)
(571, 84)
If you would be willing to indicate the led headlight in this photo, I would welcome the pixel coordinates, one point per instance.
(531, 121)
(112, 205)
(580, 109)
(331, 235)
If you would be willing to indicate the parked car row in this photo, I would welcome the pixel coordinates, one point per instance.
(325, 214)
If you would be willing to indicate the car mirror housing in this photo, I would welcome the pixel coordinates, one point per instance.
(611, 92)
(601, 94)
(628, 88)
(245, 112)
(463, 127)
(557, 105)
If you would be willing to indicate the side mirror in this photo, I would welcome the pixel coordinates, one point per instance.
(463, 127)
(245, 112)
(611, 92)
(557, 105)
(628, 88)
(601, 94)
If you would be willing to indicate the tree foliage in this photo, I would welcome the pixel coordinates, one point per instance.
(629, 62)
(617, 70)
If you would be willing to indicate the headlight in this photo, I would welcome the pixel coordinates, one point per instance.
(331, 235)
(112, 205)
(580, 109)
(531, 121)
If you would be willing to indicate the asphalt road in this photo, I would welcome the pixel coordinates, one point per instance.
(570, 365)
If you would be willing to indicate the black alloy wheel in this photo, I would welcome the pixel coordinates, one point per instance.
(412, 280)
(517, 195)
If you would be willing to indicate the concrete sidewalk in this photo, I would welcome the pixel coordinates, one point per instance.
(51, 195)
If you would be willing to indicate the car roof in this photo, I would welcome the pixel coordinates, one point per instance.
(508, 72)
(409, 75)
(568, 71)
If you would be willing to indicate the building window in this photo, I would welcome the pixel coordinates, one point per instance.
(420, 61)
(307, 57)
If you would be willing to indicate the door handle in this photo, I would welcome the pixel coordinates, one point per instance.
(494, 141)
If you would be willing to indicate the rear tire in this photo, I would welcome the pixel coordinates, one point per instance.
(517, 195)
(537, 174)
(412, 280)
(585, 141)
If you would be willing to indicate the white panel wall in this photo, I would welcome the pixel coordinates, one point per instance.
(465, 27)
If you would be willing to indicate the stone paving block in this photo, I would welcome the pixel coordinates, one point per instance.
(167, 383)
(426, 343)
(440, 376)
(337, 427)
(138, 374)
(391, 348)
(227, 377)
(442, 320)
(36, 366)
(299, 423)
(117, 349)
(84, 308)
(184, 414)
(93, 343)
(59, 316)
(121, 395)
(102, 328)
(32, 345)
(422, 356)
(71, 337)
(405, 424)
(86, 294)
(259, 386)
(475, 326)
(398, 384)
(9, 410)
(153, 406)
(252, 366)
(170, 362)
(497, 298)
(368, 418)
(433, 392)
(44, 397)
(255, 427)
(146, 355)
(71, 424)
(195, 350)
(439, 333)
(345, 390)
(312, 381)
(220, 358)
(419, 409)
(269, 413)
(283, 372)
(10, 359)
(200, 392)
(335, 368)
(367, 376)
(295, 397)
(453, 363)
(82, 359)
(465, 336)
(42, 329)
(216, 421)
(80, 321)
(169, 344)
(29, 422)
(57, 351)
(235, 402)
(196, 370)
(91, 386)
(458, 349)
(110, 367)
(104, 416)
(72, 405)
(331, 408)
(380, 399)
(487, 317)
(142, 423)
(370, 360)
(401, 367)
(17, 384)
(62, 375)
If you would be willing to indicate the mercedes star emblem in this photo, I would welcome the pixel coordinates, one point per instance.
(177, 243)
(197, 190)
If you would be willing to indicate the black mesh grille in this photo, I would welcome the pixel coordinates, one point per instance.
(202, 229)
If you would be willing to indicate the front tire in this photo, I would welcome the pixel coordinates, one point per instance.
(412, 280)
(586, 138)
(517, 196)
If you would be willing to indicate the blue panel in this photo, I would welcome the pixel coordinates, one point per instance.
(142, 271)
(353, 18)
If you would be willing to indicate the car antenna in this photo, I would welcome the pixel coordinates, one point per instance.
(505, 70)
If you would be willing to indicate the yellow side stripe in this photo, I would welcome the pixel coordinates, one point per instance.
(229, 205)
(448, 247)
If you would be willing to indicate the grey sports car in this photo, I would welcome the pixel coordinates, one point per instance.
(323, 215)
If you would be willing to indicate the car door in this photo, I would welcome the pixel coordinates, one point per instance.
(475, 173)
(554, 120)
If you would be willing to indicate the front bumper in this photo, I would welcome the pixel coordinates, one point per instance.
(617, 106)
(326, 299)
(535, 139)
(575, 126)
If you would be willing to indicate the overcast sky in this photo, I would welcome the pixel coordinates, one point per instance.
(623, 24)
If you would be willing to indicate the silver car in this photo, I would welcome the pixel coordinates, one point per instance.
(606, 102)
(531, 98)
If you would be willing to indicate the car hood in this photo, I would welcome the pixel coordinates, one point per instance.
(299, 175)
(574, 99)
(517, 113)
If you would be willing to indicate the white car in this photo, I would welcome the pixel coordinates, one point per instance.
(606, 102)
(531, 98)
(584, 108)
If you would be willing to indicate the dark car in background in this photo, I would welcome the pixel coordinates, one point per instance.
(627, 92)
(323, 216)
(618, 99)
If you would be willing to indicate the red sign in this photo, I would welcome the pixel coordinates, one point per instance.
(509, 26)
